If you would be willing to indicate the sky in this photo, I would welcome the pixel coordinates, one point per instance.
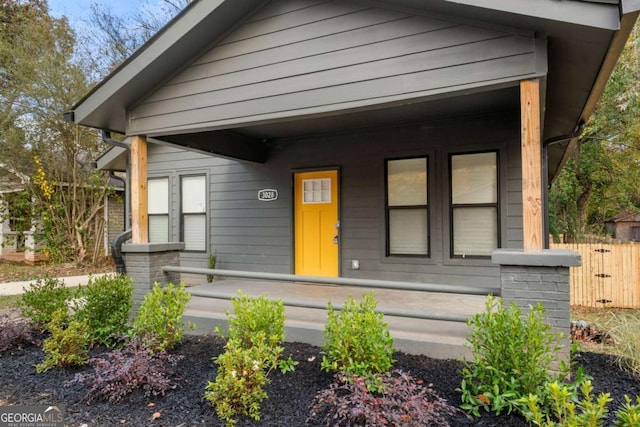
(80, 10)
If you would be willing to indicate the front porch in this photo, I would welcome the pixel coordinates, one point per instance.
(441, 336)
(424, 318)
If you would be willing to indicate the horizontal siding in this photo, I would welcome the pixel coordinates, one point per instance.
(257, 236)
(328, 56)
(282, 7)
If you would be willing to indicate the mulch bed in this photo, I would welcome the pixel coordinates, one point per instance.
(289, 399)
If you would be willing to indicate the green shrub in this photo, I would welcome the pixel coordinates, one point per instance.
(252, 351)
(629, 414)
(242, 375)
(565, 408)
(357, 340)
(253, 316)
(160, 316)
(67, 345)
(43, 298)
(625, 328)
(513, 356)
(108, 301)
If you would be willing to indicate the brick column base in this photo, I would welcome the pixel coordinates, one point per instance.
(144, 263)
(529, 278)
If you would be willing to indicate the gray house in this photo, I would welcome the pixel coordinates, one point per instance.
(393, 140)
(625, 225)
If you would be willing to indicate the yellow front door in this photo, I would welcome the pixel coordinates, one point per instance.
(316, 223)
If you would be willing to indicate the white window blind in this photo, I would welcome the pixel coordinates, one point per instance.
(407, 210)
(158, 228)
(193, 208)
(408, 231)
(158, 189)
(194, 198)
(475, 231)
(158, 209)
(195, 238)
(474, 204)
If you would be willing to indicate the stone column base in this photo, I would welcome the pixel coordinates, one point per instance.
(529, 278)
(144, 265)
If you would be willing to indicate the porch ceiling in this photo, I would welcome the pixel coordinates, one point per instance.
(252, 142)
(503, 99)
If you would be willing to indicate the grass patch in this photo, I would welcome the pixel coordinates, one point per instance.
(17, 271)
(600, 317)
(11, 271)
(622, 324)
(625, 329)
(8, 301)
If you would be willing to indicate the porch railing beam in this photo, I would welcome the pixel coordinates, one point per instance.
(425, 315)
(363, 283)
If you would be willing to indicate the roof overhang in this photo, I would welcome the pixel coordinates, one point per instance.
(200, 25)
(585, 39)
(116, 159)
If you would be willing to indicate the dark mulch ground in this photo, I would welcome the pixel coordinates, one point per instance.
(289, 395)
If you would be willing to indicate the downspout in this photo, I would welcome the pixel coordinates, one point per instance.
(116, 244)
(106, 137)
(116, 251)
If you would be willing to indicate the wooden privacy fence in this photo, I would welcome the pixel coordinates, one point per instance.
(608, 277)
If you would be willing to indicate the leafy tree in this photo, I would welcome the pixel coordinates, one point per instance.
(116, 37)
(601, 178)
(42, 76)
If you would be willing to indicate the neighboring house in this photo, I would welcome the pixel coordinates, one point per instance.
(403, 140)
(625, 226)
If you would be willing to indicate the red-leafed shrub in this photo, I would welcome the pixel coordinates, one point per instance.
(400, 401)
(132, 367)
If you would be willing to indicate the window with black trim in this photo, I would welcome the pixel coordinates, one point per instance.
(193, 217)
(474, 220)
(158, 209)
(407, 208)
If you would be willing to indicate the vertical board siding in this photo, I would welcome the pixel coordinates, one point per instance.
(257, 236)
(608, 277)
(301, 57)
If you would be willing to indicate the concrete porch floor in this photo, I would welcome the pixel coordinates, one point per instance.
(435, 338)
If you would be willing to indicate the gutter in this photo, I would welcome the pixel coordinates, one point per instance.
(629, 11)
(573, 135)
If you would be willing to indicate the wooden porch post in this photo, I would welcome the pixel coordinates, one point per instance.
(530, 139)
(139, 197)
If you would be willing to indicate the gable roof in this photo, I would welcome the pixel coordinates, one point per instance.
(585, 40)
(627, 216)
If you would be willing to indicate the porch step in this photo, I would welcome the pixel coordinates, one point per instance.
(435, 338)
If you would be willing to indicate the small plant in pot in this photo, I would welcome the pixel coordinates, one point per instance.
(211, 264)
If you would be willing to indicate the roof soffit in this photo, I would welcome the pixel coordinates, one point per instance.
(580, 28)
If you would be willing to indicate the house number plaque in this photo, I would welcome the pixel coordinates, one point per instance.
(268, 195)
